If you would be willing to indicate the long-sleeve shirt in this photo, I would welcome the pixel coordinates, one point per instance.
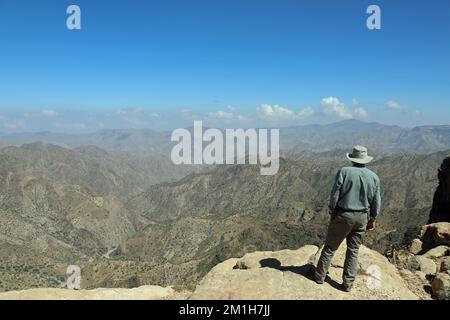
(356, 189)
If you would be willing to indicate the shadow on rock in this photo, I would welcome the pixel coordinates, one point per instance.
(305, 270)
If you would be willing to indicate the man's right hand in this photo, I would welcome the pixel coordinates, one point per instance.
(371, 224)
(332, 215)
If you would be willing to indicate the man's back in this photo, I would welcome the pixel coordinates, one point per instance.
(355, 194)
(356, 189)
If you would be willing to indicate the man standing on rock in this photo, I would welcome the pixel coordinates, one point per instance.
(354, 206)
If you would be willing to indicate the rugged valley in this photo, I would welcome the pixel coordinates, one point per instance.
(61, 207)
(130, 220)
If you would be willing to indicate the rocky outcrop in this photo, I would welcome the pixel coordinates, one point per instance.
(441, 286)
(436, 234)
(440, 211)
(283, 275)
(263, 275)
(429, 258)
(141, 293)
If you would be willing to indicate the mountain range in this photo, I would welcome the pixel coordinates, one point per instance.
(61, 205)
(318, 138)
(132, 218)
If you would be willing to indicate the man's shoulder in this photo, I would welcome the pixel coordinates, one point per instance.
(348, 169)
(373, 175)
(355, 170)
(345, 170)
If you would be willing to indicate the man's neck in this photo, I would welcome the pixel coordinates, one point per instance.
(357, 165)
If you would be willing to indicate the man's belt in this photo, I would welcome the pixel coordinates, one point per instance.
(349, 210)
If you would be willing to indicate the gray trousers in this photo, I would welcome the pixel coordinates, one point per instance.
(347, 225)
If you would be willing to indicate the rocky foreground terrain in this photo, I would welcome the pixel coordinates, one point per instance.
(428, 259)
(268, 275)
(258, 275)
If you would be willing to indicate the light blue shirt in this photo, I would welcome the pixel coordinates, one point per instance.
(356, 189)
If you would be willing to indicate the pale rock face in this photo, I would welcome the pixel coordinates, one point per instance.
(283, 275)
(427, 265)
(441, 286)
(421, 275)
(416, 246)
(437, 252)
(141, 293)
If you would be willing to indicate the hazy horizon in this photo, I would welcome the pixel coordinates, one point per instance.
(188, 126)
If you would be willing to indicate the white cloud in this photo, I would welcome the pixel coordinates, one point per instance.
(242, 118)
(277, 113)
(188, 114)
(221, 115)
(49, 113)
(393, 105)
(355, 102)
(305, 112)
(269, 112)
(404, 109)
(228, 115)
(360, 113)
(331, 106)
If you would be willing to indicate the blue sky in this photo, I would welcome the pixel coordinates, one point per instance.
(161, 64)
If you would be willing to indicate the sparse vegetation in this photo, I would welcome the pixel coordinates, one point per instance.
(62, 207)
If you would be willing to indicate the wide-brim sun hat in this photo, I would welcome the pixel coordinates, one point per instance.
(359, 155)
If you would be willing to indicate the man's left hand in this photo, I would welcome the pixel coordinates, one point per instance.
(371, 224)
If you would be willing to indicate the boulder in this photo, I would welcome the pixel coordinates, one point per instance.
(436, 233)
(441, 286)
(438, 252)
(445, 264)
(416, 246)
(284, 275)
(426, 265)
(406, 260)
(422, 276)
(417, 282)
